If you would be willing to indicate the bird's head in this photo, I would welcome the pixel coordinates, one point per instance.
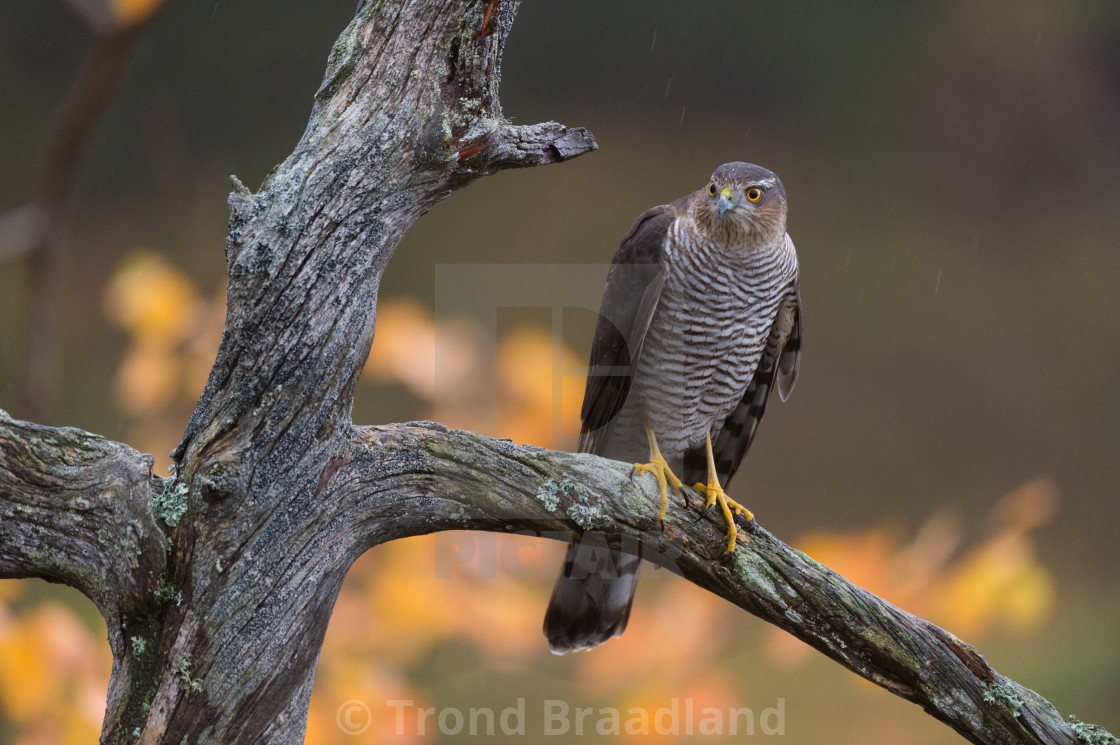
(743, 201)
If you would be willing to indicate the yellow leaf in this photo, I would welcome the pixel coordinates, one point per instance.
(537, 401)
(1029, 600)
(410, 612)
(404, 346)
(50, 669)
(999, 580)
(862, 557)
(694, 619)
(25, 691)
(151, 299)
(9, 590)
(784, 650)
(203, 345)
(1030, 506)
(131, 12)
(147, 379)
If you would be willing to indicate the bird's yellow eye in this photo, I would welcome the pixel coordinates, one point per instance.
(712, 189)
(754, 194)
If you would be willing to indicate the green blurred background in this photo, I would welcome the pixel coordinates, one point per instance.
(953, 171)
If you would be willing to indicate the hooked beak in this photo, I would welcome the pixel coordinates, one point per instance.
(724, 204)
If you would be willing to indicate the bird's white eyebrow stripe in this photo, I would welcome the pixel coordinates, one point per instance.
(767, 182)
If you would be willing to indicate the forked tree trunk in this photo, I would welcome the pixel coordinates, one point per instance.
(217, 583)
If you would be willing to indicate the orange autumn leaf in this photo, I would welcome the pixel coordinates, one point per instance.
(404, 346)
(405, 613)
(131, 12)
(9, 590)
(695, 621)
(174, 333)
(1030, 506)
(679, 708)
(431, 359)
(202, 346)
(151, 299)
(26, 691)
(147, 380)
(996, 583)
(53, 675)
(536, 401)
(442, 363)
(863, 557)
(999, 582)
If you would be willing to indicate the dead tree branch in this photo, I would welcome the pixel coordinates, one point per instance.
(222, 578)
(73, 506)
(417, 478)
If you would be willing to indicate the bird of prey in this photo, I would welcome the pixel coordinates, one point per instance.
(700, 319)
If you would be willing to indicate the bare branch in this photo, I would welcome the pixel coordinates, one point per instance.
(276, 492)
(420, 478)
(507, 146)
(408, 111)
(77, 508)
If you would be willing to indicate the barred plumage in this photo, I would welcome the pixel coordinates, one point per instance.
(700, 317)
(699, 357)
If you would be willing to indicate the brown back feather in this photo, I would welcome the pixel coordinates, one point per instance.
(630, 297)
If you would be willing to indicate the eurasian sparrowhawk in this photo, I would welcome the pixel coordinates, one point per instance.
(700, 317)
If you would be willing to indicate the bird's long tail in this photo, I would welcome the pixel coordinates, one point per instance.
(592, 597)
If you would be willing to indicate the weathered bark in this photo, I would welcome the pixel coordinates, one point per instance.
(217, 617)
(407, 112)
(401, 480)
(418, 478)
(73, 506)
(79, 509)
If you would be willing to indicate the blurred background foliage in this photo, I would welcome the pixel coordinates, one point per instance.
(954, 174)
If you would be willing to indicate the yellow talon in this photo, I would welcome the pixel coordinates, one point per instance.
(716, 495)
(659, 467)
